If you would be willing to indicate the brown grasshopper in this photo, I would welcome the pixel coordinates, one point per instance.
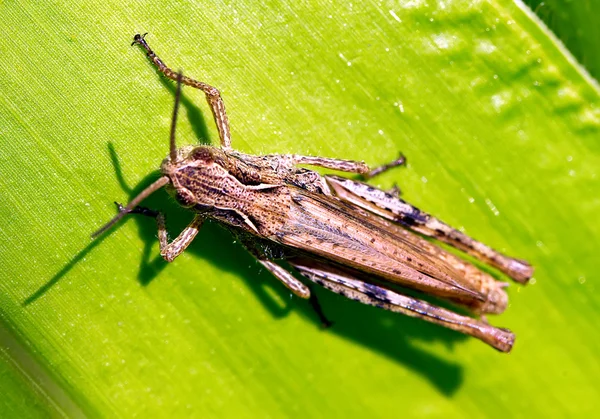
(343, 234)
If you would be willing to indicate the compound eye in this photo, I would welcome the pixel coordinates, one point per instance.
(185, 197)
(203, 154)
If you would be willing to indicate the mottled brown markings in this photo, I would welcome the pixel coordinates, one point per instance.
(398, 210)
(440, 279)
(282, 211)
(496, 298)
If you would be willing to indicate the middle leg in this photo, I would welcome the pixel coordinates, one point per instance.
(400, 161)
(350, 166)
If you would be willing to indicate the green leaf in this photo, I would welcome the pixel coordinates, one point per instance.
(498, 121)
(576, 24)
(27, 389)
(19, 397)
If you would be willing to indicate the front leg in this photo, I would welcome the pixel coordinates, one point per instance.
(169, 251)
(213, 96)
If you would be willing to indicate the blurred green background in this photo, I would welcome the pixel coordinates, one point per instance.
(499, 121)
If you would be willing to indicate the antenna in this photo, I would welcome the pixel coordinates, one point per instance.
(134, 203)
(173, 152)
(161, 181)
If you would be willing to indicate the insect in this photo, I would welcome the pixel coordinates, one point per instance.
(353, 239)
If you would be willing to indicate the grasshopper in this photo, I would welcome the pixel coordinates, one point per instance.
(353, 239)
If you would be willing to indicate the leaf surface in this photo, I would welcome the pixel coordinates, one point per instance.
(500, 126)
